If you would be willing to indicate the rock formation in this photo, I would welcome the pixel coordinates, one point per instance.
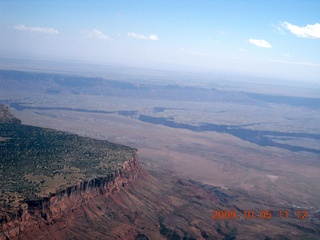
(35, 214)
(78, 171)
(7, 117)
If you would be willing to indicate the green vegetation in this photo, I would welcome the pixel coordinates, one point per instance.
(35, 161)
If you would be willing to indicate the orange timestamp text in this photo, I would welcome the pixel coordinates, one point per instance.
(262, 214)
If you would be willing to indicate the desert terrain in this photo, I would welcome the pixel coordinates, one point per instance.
(203, 148)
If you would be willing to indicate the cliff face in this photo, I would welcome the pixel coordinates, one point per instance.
(7, 117)
(34, 215)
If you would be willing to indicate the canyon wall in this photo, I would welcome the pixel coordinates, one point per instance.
(33, 215)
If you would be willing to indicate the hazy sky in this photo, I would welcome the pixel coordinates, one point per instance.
(269, 38)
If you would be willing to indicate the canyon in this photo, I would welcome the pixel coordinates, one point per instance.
(201, 149)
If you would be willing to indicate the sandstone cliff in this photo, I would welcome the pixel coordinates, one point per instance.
(26, 221)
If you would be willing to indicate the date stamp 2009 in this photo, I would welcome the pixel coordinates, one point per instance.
(262, 214)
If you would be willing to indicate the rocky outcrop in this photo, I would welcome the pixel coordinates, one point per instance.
(35, 214)
(7, 117)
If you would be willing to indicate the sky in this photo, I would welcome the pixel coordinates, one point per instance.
(276, 39)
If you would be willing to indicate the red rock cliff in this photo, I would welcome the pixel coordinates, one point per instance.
(37, 214)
